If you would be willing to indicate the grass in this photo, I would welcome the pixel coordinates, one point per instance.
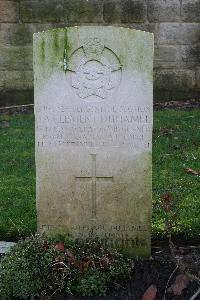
(176, 147)
(17, 176)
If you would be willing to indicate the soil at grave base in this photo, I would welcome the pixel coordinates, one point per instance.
(155, 271)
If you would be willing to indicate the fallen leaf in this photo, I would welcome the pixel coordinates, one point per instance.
(150, 293)
(75, 263)
(180, 284)
(167, 202)
(104, 262)
(45, 245)
(72, 258)
(83, 265)
(92, 263)
(167, 197)
(60, 247)
(165, 130)
(192, 172)
(59, 259)
(70, 254)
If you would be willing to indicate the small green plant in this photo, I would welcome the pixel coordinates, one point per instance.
(44, 267)
(24, 270)
(93, 283)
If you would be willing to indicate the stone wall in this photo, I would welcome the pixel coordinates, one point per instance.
(175, 23)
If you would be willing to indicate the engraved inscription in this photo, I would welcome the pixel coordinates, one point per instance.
(118, 236)
(98, 70)
(91, 125)
(94, 178)
(112, 228)
(123, 242)
(46, 227)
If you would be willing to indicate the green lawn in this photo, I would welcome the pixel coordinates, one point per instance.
(176, 147)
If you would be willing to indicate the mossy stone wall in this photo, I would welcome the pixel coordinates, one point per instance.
(175, 24)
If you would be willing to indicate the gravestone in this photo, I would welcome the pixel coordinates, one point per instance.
(93, 109)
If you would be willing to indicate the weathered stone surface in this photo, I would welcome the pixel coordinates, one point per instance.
(174, 79)
(81, 11)
(168, 33)
(134, 11)
(177, 33)
(1, 80)
(191, 10)
(9, 11)
(42, 11)
(180, 95)
(166, 55)
(5, 247)
(190, 33)
(140, 26)
(198, 77)
(16, 58)
(190, 55)
(18, 80)
(15, 34)
(22, 34)
(126, 11)
(93, 111)
(112, 11)
(10, 97)
(164, 11)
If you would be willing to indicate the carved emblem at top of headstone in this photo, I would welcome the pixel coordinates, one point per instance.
(95, 70)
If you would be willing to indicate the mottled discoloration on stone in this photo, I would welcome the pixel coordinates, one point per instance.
(21, 34)
(127, 11)
(9, 97)
(9, 11)
(15, 58)
(1, 80)
(191, 10)
(190, 56)
(50, 51)
(175, 79)
(41, 11)
(167, 56)
(168, 33)
(198, 77)
(190, 33)
(16, 34)
(170, 82)
(81, 11)
(164, 10)
(93, 134)
(61, 40)
(18, 80)
(177, 33)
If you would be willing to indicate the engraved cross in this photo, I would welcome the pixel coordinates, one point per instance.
(94, 178)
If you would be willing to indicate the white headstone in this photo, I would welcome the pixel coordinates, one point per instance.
(93, 109)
